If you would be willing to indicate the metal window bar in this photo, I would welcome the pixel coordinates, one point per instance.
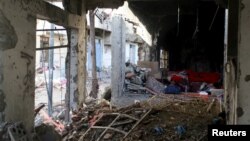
(51, 47)
(50, 29)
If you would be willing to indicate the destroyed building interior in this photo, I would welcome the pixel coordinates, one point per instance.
(92, 70)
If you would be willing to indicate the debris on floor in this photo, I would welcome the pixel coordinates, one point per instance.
(47, 132)
(13, 132)
(182, 116)
(107, 93)
(162, 117)
(135, 78)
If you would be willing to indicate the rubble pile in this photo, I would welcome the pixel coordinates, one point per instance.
(176, 120)
(160, 118)
(12, 131)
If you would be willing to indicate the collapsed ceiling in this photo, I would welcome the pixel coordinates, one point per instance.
(165, 12)
(154, 13)
(191, 30)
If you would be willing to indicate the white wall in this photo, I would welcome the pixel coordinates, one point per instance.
(131, 53)
(107, 57)
(106, 24)
(141, 29)
(125, 12)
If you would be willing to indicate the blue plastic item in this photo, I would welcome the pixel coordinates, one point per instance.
(180, 130)
(172, 89)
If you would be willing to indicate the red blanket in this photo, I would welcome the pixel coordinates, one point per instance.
(208, 77)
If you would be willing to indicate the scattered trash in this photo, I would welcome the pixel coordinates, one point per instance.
(172, 89)
(135, 78)
(17, 132)
(13, 132)
(180, 130)
(158, 130)
(107, 136)
(107, 94)
(162, 117)
(47, 132)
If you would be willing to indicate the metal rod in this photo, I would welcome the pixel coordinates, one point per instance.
(51, 47)
(178, 20)
(51, 65)
(51, 29)
(210, 27)
(67, 71)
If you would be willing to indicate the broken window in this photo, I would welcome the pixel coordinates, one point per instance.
(44, 42)
(163, 59)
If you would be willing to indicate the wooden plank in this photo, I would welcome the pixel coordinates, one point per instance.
(128, 116)
(137, 123)
(103, 133)
(123, 122)
(109, 128)
(82, 137)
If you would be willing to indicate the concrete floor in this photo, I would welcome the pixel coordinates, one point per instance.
(129, 99)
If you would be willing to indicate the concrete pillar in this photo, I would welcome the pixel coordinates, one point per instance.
(73, 88)
(118, 57)
(233, 23)
(231, 57)
(243, 109)
(17, 63)
(77, 58)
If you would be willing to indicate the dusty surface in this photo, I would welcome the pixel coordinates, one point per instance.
(172, 118)
(41, 96)
(163, 117)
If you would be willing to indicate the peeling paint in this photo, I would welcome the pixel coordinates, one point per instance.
(25, 4)
(2, 97)
(247, 78)
(2, 117)
(75, 78)
(8, 37)
(1, 78)
(28, 79)
(2, 103)
(31, 18)
(240, 112)
(242, 6)
(1, 74)
(75, 99)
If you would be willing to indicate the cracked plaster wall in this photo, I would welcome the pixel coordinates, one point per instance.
(243, 109)
(17, 62)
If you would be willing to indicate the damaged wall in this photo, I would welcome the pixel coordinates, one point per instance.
(17, 63)
(243, 110)
(76, 59)
(118, 58)
(231, 54)
(237, 68)
(17, 54)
